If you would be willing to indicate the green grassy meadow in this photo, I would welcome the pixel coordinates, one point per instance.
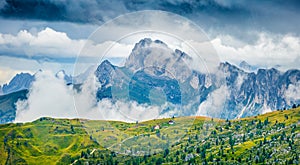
(272, 138)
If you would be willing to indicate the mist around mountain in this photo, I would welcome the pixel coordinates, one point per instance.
(161, 81)
(8, 107)
(153, 72)
(21, 87)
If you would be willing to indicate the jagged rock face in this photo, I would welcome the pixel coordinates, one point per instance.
(157, 59)
(104, 73)
(19, 82)
(8, 107)
(257, 92)
(142, 83)
(152, 65)
(151, 73)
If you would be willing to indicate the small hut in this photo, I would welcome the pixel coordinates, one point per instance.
(171, 122)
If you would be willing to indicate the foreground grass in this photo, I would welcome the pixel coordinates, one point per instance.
(265, 139)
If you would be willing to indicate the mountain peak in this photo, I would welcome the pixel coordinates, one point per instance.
(145, 52)
(146, 42)
(105, 65)
(142, 43)
(105, 61)
(246, 66)
(104, 72)
(19, 82)
(227, 67)
(244, 63)
(182, 54)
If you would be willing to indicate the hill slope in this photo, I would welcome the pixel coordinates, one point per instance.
(269, 138)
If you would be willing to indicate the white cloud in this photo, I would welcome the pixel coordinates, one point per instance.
(48, 97)
(130, 28)
(45, 42)
(117, 38)
(12, 65)
(205, 57)
(214, 104)
(122, 111)
(292, 93)
(51, 43)
(130, 111)
(108, 49)
(270, 50)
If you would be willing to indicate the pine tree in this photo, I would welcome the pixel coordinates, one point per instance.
(266, 122)
(166, 152)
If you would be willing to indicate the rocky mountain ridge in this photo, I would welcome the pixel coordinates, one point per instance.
(154, 66)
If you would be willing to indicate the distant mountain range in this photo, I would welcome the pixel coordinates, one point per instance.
(154, 74)
(152, 65)
(23, 81)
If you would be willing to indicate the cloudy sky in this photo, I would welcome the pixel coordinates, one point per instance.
(49, 34)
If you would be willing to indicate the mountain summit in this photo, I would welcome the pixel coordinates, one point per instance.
(247, 67)
(17, 83)
(156, 58)
(153, 66)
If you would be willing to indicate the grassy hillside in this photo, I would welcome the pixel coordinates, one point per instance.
(265, 139)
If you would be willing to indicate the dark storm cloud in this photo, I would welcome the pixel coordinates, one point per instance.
(91, 11)
(51, 10)
(33, 10)
(229, 16)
